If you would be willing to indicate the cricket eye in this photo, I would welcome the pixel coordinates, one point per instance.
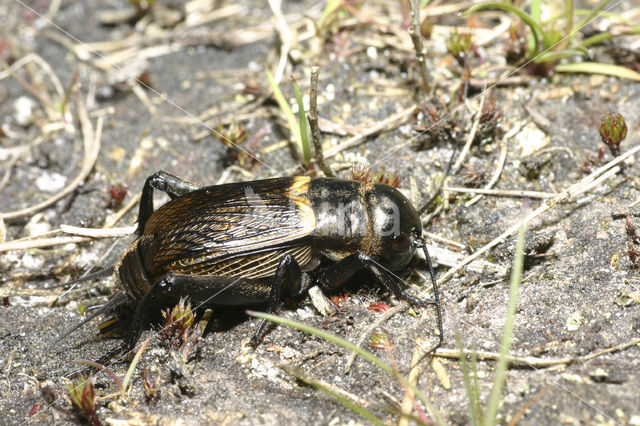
(401, 242)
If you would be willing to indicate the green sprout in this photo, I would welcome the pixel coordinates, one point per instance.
(459, 46)
(557, 38)
(142, 5)
(232, 136)
(613, 130)
(151, 388)
(334, 11)
(83, 399)
(178, 331)
(381, 340)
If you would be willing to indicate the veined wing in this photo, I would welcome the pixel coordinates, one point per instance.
(238, 229)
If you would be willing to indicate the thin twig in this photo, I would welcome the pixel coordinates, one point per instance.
(612, 349)
(496, 174)
(527, 406)
(313, 124)
(529, 361)
(416, 38)
(130, 204)
(587, 183)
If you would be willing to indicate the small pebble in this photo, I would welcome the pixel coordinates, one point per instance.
(51, 182)
(23, 109)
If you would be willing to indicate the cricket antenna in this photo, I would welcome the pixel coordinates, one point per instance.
(420, 243)
(102, 273)
(116, 301)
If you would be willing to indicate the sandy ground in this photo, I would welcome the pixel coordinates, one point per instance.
(578, 312)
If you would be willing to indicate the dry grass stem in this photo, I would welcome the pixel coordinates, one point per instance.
(40, 95)
(40, 243)
(406, 407)
(434, 237)
(305, 377)
(46, 68)
(502, 192)
(91, 143)
(387, 124)
(141, 94)
(194, 19)
(98, 232)
(531, 361)
(286, 38)
(450, 258)
(472, 134)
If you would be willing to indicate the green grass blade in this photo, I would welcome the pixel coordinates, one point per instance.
(536, 28)
(346, 402)
(501, 366)
(605, 14)
(351, 347)
(599, 68)
(330, 8)
(569, 6)
(286, 109)
(305, 144)
(555, 55)
(595, 39)
(472, 391)
(536, 14)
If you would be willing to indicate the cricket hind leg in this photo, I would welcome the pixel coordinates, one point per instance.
(289, 281)
(165, 182)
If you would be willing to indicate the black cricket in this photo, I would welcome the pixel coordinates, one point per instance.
(260, 242)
